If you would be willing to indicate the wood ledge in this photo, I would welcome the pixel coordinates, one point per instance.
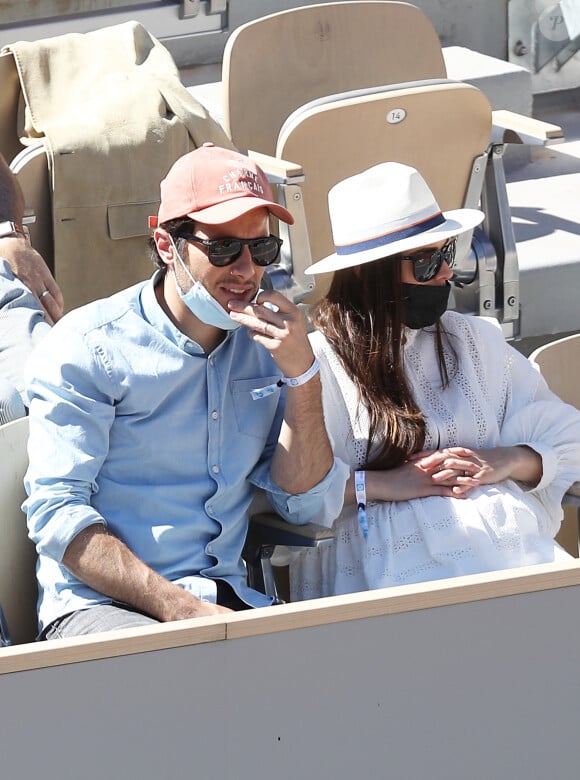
(287, 617)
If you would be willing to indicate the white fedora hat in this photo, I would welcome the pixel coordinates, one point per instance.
(385, 210)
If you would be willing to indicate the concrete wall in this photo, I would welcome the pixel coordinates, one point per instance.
(475, 24)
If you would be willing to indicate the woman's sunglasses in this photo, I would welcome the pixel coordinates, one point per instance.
(427, 263)
(225, 251)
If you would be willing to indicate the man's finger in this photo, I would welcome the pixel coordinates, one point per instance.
(51, 300)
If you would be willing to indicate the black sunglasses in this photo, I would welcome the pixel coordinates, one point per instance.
(427, 263)
(225, 251)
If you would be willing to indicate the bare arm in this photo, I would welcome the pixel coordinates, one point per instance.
(106, 564)
(25, 262)
(303, 456)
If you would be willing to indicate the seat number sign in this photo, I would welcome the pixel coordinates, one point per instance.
(396, 115)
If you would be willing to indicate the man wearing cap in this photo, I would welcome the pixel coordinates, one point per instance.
(155, 413)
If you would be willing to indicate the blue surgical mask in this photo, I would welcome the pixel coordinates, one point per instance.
(201, 303)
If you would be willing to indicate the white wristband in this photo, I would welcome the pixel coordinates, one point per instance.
(295, 381)
(360, 489)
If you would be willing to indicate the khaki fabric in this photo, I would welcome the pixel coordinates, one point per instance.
(114, 116)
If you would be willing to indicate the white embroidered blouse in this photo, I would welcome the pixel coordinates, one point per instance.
(495, 398)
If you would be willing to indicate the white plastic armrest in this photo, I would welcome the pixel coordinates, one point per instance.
(278, 171)
(275, 530)
(511, 128)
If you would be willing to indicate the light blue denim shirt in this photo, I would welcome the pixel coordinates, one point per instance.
(133, 426)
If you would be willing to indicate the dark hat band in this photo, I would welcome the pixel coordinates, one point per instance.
(391, 238)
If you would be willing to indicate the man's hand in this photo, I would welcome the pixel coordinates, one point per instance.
(179, 604)
(278, 325)
(27, 264)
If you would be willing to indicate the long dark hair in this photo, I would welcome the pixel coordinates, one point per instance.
(362, 319)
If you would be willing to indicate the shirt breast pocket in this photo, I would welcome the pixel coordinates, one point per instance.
(254, 417)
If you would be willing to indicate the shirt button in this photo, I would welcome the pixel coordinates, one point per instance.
(215, 469)
(214, 415)
(209, 548)
(211, 361)
(210, 510)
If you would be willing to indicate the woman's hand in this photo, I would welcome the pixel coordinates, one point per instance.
(407, 482)
(462, 468)
(452, 472)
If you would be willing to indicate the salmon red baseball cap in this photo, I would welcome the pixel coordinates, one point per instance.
(214, 185)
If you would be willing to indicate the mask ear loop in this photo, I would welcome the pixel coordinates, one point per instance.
(185, 268)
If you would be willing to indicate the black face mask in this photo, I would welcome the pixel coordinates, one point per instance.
(423, 304)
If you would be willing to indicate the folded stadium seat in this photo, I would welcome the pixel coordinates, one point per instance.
(558, 363)
(441, 128)
(292, 57)
(347, 55)
(18, 591)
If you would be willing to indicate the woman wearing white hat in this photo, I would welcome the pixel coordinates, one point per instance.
(453, 453)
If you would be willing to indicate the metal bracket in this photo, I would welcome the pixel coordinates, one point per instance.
(190, 8)
(500, 231)
(288, 276)
(475, 279)
(465, 271)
